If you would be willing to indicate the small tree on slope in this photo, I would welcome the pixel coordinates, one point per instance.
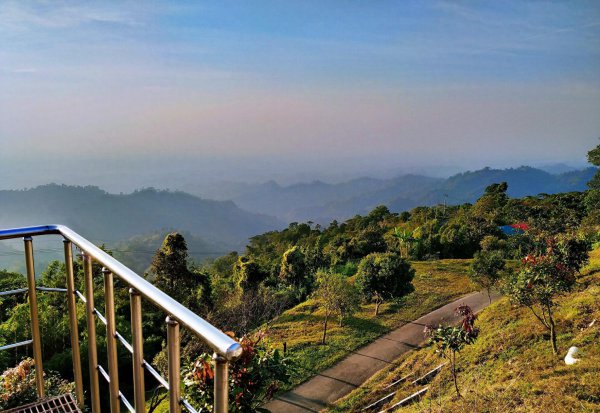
(486, 270)
(545, 276)
(384, 276)
(336, 295)
(450, 340)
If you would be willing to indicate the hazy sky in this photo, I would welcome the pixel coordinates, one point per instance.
(297, 84)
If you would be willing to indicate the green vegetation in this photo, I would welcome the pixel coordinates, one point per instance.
(509, 367)
(382, 277)
(288, 283)
(253, 378)
(545, 276)
(449, 340)
(486, 270)
(336, 296)
(17, 385)
(435, 283)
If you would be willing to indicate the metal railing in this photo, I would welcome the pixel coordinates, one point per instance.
(225, 348)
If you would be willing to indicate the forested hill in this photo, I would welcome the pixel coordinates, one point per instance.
(523, 181)
(105, 217)
(322, 202)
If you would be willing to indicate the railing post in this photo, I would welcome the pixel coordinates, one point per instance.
(91, 326)
(221, 390)
(138, 351)
(73, 322)
(35, 323)
(174, 365)
(111, 341)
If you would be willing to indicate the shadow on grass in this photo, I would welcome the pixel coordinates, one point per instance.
(302, 317)
(366, 325)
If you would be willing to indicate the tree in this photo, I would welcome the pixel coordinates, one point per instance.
(486, 270)
(293, 267)
(11, 281)
(592, 198)
(451, 340)
(545, 276)
(247, 274)
(405, 238)
(336, 295)
(594, 159)
(489, 206)
(384, 276)
(458, 240)
(169, 271)
(365, 242)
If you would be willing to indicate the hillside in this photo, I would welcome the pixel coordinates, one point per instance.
(322, 202)
(111, 219)
(510, 367)
(436, 283)
(522, 181)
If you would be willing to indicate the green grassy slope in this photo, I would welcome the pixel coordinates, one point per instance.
(436, 283)
(510, 367)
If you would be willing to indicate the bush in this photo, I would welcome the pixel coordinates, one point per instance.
(17, 385)
(253, 378)
(545, 276)
(451, 340)
(383, 277)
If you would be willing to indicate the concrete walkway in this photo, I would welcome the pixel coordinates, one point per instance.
(339, 380)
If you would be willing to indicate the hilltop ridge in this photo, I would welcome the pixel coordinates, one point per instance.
(323, 202)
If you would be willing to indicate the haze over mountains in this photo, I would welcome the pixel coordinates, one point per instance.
(103, 218)
(133, 225)
(321, 202)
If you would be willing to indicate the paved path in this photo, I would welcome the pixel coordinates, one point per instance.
(339, 380)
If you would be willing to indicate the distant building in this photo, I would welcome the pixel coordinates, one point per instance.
(514, 229)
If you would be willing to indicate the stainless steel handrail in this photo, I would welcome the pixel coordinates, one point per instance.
(221, 343)
(225, 348)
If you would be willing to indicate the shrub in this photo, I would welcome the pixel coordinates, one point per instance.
(253, 378)
(545, 276)
(450, 340)
(17, 385)
(384, 276)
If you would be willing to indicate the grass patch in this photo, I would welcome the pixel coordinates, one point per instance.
(436, 283)
(511, 366)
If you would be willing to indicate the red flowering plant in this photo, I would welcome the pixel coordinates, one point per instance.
(544, 276)
(254, 378)
(450, 340)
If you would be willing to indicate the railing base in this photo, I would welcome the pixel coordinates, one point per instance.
(60, 404)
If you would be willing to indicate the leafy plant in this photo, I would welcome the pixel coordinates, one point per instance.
(405, 238)
(17, 385)
(546, 275)
(336, 295)
(383, 276)
(253, 378)
(451, 340)
(486, 270)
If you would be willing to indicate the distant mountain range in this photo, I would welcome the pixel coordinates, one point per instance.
(218, 226)
(134, 224)
(322, 202)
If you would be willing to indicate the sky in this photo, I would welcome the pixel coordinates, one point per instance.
(153, 92)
